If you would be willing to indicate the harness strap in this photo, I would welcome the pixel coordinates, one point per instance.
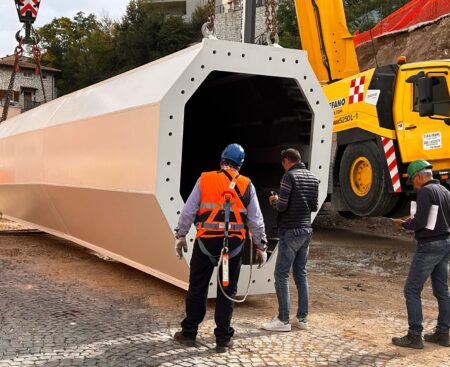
(227, 207)
(236, 188)
(214, 205)
(215, 259)
(232, 227)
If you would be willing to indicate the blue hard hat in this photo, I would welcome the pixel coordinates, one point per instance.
(234, 153)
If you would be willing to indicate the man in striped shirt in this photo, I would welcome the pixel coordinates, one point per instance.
(299, 190)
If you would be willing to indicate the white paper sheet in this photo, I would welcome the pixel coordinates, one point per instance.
(432, 217)
(413, 209)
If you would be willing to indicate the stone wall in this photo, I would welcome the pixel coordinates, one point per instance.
(26, 78)
(228, 25)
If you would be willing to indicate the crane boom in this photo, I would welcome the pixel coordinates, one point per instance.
(325, 36)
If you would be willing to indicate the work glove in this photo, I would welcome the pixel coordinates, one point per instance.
(180, 245)
(261, 257)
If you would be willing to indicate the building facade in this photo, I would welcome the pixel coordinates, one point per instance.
(27, 90)
(171, 7)
(229, 24)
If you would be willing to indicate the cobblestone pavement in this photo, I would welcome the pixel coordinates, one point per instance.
(46, 323)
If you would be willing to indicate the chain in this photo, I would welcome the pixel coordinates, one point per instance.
(211, 15)
(271, 20)
(273, 4)
(37, 59)
(267, 14)
(18, 52)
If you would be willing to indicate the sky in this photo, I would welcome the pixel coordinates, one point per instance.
(49, 9)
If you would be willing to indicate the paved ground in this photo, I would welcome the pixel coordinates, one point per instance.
(49, 324)
(71, 315)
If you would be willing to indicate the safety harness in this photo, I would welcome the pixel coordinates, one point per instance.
(213, 227)
(225, 256)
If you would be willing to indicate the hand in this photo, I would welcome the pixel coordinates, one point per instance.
(398, 223)
(261, 257)
(272, 198)
(180, 244)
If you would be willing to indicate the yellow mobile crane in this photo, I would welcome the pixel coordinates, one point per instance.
(384, 118)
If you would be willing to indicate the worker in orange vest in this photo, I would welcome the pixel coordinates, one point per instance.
(223, 204)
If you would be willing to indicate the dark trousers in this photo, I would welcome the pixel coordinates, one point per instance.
(430, 260)
(201, 269)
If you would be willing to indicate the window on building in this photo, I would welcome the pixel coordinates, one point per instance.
(44, 77)
(14, 97)
(27, 74)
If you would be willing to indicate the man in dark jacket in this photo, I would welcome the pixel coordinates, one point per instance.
(299, 190)
(430, 220)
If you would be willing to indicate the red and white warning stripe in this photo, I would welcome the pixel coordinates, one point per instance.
(389, 152)
(29, 5)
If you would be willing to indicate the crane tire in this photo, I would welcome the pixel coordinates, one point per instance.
(364, 180)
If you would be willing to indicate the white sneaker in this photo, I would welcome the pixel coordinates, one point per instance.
(300, 323)
(276, 325)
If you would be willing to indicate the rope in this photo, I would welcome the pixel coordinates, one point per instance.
(241, 300)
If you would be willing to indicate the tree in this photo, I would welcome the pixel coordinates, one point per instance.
(81, 48)
(287, 24)
(146, 34)
(199, 17)
(89, 50)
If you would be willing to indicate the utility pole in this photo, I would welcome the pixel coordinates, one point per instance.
(249, 16)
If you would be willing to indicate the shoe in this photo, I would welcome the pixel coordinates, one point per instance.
(180, 338)
(301, 324)
(222, 347)
(277, 325)
(409, 341)
(438, 338)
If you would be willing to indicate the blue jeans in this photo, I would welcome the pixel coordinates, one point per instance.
(293, 249)
(430, 259)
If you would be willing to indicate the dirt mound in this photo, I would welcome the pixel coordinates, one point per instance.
(431, 42)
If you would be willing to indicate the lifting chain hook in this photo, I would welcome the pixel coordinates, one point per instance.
(37, 58)
(18, 52)
(271, 22)
(211, 16)
(207, 33)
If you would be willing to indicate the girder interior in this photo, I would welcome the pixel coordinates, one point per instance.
(264, 114)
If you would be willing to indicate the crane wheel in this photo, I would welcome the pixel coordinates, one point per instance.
(347, 214)
(364, 180)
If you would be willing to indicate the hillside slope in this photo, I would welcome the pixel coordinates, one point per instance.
(431, 42)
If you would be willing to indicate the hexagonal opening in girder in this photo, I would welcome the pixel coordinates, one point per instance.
(264, 114)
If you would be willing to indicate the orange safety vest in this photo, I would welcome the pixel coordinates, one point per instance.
(215, 188)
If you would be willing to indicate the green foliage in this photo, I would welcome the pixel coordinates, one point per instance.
(199, 17)
(364, 14)
(287, 24)
(145, 34)
(88, 49)
(81, 47)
